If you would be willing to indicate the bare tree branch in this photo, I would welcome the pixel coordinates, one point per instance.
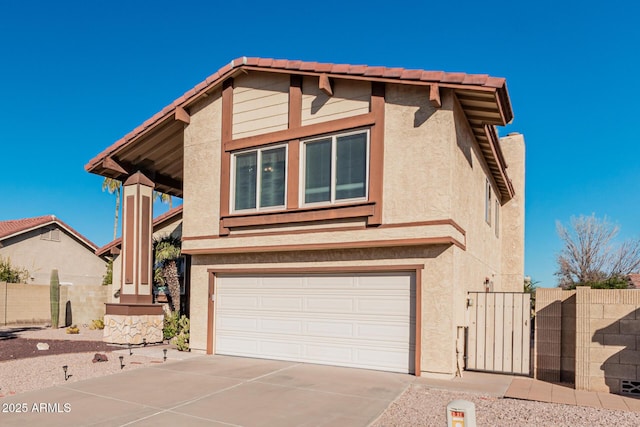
(590, 254)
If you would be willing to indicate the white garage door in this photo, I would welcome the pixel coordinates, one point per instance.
(356, 320)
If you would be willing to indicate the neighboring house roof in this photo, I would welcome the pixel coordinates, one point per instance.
(16, 227)
(158, 221)
(634, 280)
(484, 99)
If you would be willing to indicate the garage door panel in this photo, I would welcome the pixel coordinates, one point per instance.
(387, 306)
(330, 329)
(329, 305)
(281, 303)
(351, 320)
(281, 326)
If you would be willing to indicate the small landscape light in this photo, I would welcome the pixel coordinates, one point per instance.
(130, 352)
(144, 342)
(64, 368)
(165, 354)
(121, 363)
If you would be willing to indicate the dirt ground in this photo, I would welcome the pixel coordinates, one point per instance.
(14, 346)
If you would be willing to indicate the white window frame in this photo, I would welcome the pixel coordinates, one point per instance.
(334, 141)
(232, 181)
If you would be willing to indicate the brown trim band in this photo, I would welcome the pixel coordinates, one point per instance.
(135, 299)
(302, 215)
(426, 241)
(133, 309)
(376, 156)
(418, 338)
(295, 101)
(128, 241)
(307, 131)
(210, 312)
(225, 157)
(329, 229)
(145, 241)
(311, 270)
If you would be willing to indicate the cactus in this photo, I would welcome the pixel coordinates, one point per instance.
(54, 287)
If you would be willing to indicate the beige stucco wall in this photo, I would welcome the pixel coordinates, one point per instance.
(76, 263)
(512, 214)
(30, 303)
(433, 170)
(590, 336)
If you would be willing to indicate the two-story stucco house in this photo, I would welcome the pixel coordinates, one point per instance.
(337, 214)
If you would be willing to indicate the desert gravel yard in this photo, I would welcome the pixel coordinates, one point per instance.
(422, 406)
(24, 369)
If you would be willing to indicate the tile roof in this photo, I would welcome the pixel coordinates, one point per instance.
(16, 227)
(269, 64)
(156, 221)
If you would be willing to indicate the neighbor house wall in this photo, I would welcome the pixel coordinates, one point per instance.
(75, 262)
(592, 335)
(30, 303)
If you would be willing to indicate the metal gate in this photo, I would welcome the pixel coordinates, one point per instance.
(499, 337)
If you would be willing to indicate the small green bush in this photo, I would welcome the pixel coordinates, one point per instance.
(170, 329)
(73, 329)
(97, 324)
(182, 339)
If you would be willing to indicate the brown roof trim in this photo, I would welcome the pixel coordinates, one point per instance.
(12, 228)
(157, 222)
(480, 82)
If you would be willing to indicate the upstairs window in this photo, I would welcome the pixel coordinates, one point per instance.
(487, 202)
(497, 215)
(336, 168)
(259, 179)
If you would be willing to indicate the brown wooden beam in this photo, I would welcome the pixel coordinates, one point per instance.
(376, 165)
(182, 115)
(434, 96)
(295, 102)
(225, 156)
(325, 85)
(110, 164)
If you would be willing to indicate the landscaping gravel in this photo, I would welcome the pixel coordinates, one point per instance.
(419, 405)
(32, 370)
(422, 406)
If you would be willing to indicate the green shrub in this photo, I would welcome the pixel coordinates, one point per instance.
(73, 329)
(182, 339)
(97, 324)
(170, 328)
(11, 274)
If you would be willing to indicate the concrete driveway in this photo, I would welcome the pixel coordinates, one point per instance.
(213, 390)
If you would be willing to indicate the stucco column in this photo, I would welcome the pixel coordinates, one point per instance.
(583, 337)
(137, 231)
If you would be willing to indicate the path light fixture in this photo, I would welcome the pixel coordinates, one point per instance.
(121, 363)
(144, 342)
(130, 352)
(165, 354)
(64, 368)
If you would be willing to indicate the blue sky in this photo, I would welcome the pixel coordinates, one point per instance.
(75, 76)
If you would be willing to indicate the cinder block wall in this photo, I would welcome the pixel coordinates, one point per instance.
(588, 336)
(22, 304)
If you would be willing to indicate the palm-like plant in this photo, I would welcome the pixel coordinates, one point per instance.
(164, 198)
(167, 252)
(113, 186)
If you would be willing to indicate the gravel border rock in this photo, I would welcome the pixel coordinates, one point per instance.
(422, 406)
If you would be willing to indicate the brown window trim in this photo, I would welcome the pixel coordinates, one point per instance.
(292, 136)
(352, 210)
(302, 132)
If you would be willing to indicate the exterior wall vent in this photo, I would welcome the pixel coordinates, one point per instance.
(630, 387)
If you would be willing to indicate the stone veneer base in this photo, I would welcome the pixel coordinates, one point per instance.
(133, 329)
